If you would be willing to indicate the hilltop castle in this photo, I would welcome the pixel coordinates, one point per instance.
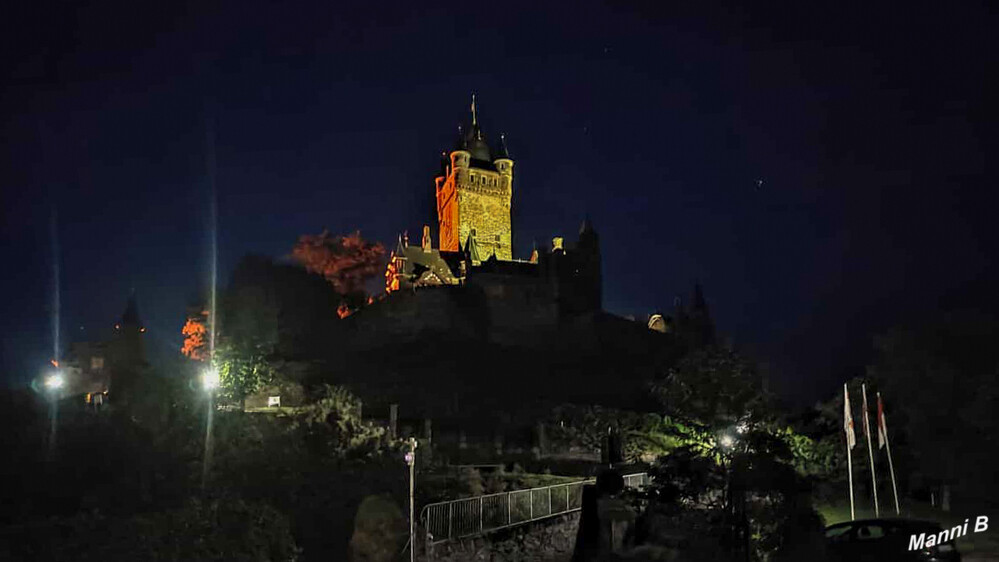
(462, 312)
(475, 245)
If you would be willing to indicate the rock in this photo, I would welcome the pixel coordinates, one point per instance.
(380, 531)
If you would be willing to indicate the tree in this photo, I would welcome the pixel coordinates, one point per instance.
(712, 386)
(333, 424)
(345, 261)
(748, 487)
(939, 383)
(644, 436)
(249, 330)
(196, 336)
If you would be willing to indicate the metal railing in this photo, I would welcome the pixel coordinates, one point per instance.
(455, 519)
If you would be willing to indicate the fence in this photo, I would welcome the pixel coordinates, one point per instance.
(466, 517)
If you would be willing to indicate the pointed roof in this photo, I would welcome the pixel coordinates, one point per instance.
(475, 141)
(699, 302)
(502, 151)
(400, 250)
(131, 315)
(461, 143)
(586, 226)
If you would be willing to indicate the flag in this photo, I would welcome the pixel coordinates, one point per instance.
(851, 438)
(882, 428)
(867, 424)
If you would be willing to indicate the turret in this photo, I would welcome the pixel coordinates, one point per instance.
(460, 156)
(504, 165)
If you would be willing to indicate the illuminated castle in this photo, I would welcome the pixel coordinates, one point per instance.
(473, 195)
(474, 254)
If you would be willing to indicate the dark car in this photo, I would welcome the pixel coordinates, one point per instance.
(888, 540)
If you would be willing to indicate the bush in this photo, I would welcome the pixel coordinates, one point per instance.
(380, 531)
(470, 482)
(219, 530)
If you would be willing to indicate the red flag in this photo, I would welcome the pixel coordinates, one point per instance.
(851, 437)
(882, 428)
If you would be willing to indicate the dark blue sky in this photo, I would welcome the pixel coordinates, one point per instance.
(868, 126)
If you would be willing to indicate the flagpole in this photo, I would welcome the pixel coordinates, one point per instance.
(870, 451)
(891, 468)
(847, 424)
(849, 467)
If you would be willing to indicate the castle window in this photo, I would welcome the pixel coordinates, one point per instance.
(497, 238)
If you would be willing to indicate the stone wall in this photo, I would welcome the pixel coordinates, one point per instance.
(489, 214)
(550, 540)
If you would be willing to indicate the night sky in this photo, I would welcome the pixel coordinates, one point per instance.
(868, 127)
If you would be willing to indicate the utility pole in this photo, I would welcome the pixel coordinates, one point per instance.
(411, 461)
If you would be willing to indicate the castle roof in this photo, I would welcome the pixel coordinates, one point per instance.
(419, 262)
(502, 152)
(131, 315)
(474, 142)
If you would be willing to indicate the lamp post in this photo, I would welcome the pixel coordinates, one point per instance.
(53, 383)
(209, 381)
(411, 461)
(727, 444)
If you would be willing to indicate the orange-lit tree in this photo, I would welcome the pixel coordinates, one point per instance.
(196, 337)
(345, 261)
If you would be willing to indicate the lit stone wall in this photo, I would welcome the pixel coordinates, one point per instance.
(473, 198)
(484, 204)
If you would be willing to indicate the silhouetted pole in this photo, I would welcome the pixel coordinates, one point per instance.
(411, 461)
(883, 429)
(851, 440)
(870, 451)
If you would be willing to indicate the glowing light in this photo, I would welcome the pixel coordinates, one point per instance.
(54, 362)
(55, 381)
(142, 329)
(743, 427)
(343, 310)
(210, 379)
(727, 441)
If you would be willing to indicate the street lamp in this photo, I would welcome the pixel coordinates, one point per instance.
(210, 379)
(727, 441)
(54, 381)
(411, 461)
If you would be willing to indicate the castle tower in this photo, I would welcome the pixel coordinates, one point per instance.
(127, 353)
(475, 193)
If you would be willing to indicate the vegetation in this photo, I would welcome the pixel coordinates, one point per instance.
(199, 530)
(940, 386)
(345, 261)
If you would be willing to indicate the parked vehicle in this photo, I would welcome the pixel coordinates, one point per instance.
(890, 540)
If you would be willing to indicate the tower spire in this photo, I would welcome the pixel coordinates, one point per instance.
(474, 117)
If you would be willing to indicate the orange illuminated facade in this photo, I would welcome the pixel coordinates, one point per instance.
(474, 192)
